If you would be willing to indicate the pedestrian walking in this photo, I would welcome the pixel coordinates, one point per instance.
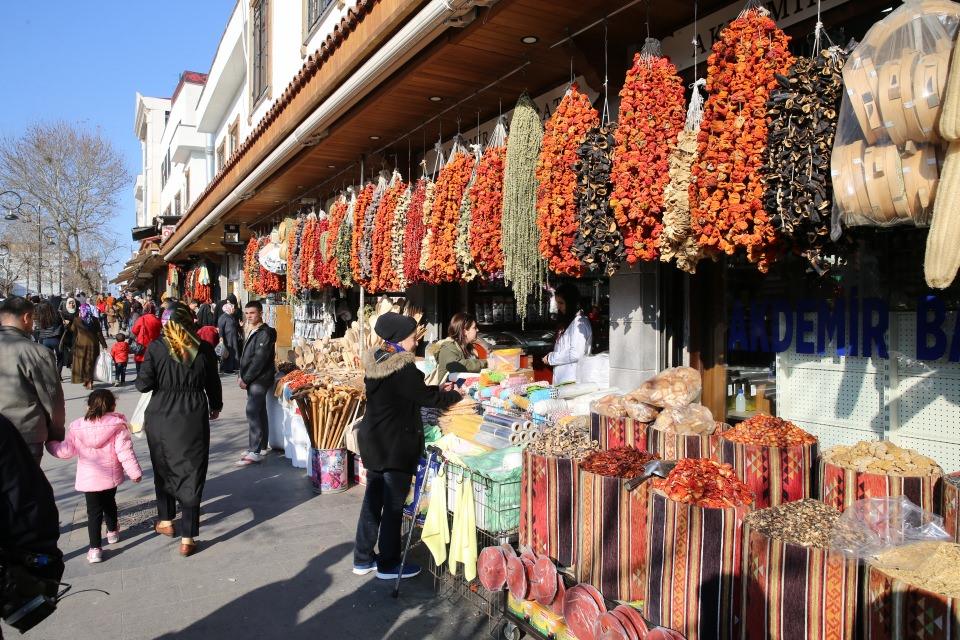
(68, 311)
(391, 442)
(257, 370)
(145, 330)
(206, 316)
(111, 312)
(181, 371)
(87, 339)
(209, 334)
(31, 395)
(101, 442)
(49, 330)
(120, 353)
(229, 330)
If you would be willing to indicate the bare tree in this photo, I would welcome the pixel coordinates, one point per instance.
(74, 175)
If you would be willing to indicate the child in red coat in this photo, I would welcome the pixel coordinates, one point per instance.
(120, 352)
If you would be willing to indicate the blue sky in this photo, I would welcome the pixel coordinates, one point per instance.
(84, 62)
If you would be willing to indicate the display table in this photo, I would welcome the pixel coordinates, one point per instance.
(287, 429)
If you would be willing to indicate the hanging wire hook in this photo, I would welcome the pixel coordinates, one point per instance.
(695, 41)
(648, 18)
(605, 116)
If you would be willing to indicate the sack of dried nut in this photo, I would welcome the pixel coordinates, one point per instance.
(951, 505)
(878, 469)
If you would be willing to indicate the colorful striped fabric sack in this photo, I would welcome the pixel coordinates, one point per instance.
(674, 446)
(951, 505)
(840, 487)
(775, 474)
(791, 592)
(897, 610)
(611, 552)
(548, 507)
(693, 573)
(618, 432)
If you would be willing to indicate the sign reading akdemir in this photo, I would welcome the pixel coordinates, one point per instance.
(854, 326)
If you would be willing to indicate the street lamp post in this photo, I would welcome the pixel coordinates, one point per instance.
(50, 233)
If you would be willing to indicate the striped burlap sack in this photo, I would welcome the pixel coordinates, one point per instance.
(618, 432)
(775, 474)
(840, 487)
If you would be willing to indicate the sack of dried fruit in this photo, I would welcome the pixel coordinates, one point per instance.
(951, 505)
(803, 578)
(700, 506)
(610, 431)
(877, 469)
(683, 432)
(773, 456)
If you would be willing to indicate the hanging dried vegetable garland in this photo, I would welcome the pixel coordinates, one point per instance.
(294, 226)
(369, 219)
(598, 243)
(727, 190)
(317, 263)
(251, 266)
(486, 197)
(523, 267)
(465, 224)
(328, 244)
(197, 285)
(651, 115)
(802, 115)
(308, 249)
(563, 134)
(398, 231)
(344, 245)
(381, 258)
(676, 241)
(451, 185)
(364, 198)
(416, 231)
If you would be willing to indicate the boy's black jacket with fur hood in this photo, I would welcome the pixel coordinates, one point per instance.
(391, 432)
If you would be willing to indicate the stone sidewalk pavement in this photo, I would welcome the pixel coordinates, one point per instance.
(275, 559)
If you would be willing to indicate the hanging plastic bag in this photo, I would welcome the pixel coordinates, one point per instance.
(104, 369)
(873, 525)
(138, 419)
(674, 387)
(886, 161)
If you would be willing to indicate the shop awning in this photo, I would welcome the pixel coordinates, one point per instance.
(145, 261)
(142, 233)
(444, 83)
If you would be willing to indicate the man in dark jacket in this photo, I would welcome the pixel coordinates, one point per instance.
(391, 443)
(257, 370)
(31, 395)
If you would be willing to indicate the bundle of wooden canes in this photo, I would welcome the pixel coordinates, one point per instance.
(327, 410)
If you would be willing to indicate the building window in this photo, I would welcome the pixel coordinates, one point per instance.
(165, 170)
(260, 32)
(315, 11)
(221, 154)
(233, 136)
(186, 188)
(177, 202)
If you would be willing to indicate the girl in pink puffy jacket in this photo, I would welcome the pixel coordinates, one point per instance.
(102, 442)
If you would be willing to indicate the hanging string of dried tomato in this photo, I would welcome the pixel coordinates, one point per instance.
(381, 259)
(317, 261)
(651, 116)
(451, 185)
(563, 134)
(293, 239)
(726, 195)
(251, 266)
(486, 246)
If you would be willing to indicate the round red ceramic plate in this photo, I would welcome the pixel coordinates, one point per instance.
(635, 619)
(610, 627)
(517, 578)
(627, 624)
(492, 568)
(545, 577)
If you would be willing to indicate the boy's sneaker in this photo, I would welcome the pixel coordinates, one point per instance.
(94, 555)
(251, 457)
(113, 537)
(364, 569)
(409, 570)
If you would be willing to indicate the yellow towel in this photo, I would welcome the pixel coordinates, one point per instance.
(463, 540)
(436, 530)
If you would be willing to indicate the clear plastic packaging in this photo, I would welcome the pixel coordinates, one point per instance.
(693, 419)
(640, 411)
(673, 387)
(610, 405)
(886, 159)
(874, 525)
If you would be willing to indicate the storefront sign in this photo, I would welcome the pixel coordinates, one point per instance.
(679, 46)
(850, 326)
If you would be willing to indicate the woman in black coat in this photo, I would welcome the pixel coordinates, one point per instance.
(181, 371)
(230, 336)
(391, 443)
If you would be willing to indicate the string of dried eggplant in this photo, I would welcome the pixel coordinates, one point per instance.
(598, 243)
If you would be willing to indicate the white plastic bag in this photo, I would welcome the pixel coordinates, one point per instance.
(138, 419)
(104, 369)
